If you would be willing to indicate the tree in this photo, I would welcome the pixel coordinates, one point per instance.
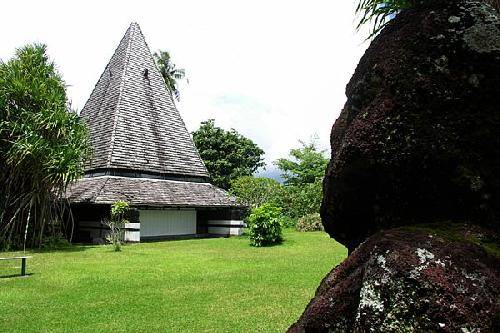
(169, 72)
(42, 147)
(303, 199)
(306, 165)
(119, 210)
(227, 154)
(303, 174)
(257, 191)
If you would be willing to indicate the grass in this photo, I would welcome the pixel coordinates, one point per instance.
(204, 285)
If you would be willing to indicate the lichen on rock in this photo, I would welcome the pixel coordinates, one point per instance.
(376, 289)
(483, 38)
(413, 184)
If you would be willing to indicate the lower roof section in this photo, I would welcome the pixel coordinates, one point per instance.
(148, 192)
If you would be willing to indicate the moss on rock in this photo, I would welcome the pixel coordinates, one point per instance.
(431, 278)
(418, 139)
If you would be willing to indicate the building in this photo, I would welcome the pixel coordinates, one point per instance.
(143, 154)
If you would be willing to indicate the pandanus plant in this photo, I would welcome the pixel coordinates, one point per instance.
(42, 148)
(379, 12)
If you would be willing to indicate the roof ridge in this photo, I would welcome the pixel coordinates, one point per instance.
(100, 190)
(122, 83)
(138, 179)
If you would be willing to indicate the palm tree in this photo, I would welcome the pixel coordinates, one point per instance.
(169, 72)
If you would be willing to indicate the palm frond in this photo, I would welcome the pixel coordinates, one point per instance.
(170, 73)
(379, 12)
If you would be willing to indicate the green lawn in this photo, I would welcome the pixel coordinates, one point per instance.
(204, 285)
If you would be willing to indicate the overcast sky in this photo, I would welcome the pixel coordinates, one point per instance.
(274, 70)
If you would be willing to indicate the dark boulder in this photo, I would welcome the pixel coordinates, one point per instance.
(419, 137)
(441, 278)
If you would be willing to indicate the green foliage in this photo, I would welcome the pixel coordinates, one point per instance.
(119, 209)
(227, 154)
(257, 191)
(306, 165)
(301, 195)
(287, 222)
(42, 147)
(303, 173)
(300, 200)
(170, 73)
(310, 222)
(55, 242)
(378, 12)
(264, 225)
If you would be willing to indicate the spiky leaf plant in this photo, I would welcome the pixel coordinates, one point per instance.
(42, 147)
(379, 12)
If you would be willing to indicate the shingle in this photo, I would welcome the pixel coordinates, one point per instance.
(135, 126)
(148, 192)
(132, 118)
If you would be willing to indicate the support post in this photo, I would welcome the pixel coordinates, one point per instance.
(23, 266)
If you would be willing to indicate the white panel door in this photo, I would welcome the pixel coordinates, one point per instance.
(167, 222)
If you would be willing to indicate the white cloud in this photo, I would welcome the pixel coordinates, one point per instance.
(273, 70)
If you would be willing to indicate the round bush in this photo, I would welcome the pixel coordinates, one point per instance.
(264, 225)
(310, 222)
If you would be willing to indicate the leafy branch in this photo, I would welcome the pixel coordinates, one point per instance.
(379, 12)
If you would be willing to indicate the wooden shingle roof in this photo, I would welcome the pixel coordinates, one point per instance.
(132, 118)
(148, 192)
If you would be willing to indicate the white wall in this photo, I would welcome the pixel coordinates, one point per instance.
(132, 232)
(167, 222)
(218, 227)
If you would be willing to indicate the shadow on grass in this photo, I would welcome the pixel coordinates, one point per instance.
(271, 245)
(67, 248)
(180, 237)
(11, 276)
(70, 248)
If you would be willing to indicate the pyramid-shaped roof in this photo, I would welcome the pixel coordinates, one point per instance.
(134, 124)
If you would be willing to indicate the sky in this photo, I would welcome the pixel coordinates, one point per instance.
(273, 70)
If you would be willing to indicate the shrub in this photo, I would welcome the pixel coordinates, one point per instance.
(287, 222)
(54, 242)
(310, 222)
(264, 226)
